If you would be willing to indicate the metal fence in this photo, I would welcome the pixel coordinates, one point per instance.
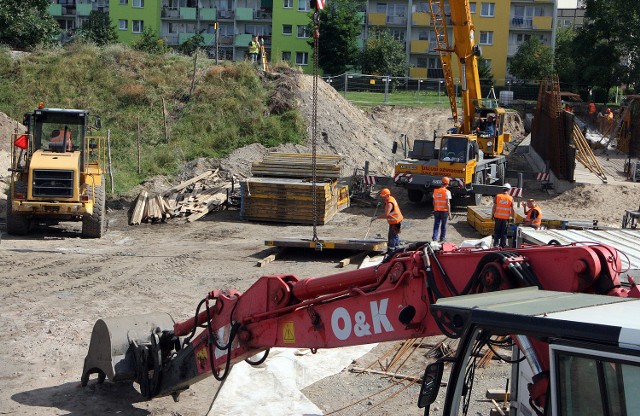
(374, 89)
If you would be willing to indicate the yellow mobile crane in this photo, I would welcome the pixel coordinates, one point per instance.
(471, 151)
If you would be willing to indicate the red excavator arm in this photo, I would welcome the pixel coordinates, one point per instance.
(387, 302)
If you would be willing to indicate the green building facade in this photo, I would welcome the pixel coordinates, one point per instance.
(132, 17)
(291, 34)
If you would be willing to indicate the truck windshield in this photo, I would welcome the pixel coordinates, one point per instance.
(453, 149)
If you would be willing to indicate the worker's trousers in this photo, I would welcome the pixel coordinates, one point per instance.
(440, 224)
(393, 237)
(500, 232)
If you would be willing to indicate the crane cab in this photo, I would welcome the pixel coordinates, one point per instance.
(488, 126)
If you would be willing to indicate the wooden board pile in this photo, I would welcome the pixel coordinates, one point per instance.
(288, 200)
(281, 189)
(293, 165)
(191, 199)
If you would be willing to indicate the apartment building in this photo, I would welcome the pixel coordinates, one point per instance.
(501, 26)
(71, 14)
(571, 17)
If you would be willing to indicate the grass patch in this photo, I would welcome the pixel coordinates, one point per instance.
(228, 107)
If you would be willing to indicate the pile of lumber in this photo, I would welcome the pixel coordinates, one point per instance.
(191, 199)
(297, 165)
(289, 200)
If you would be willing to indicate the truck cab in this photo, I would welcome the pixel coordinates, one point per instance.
(574, 354)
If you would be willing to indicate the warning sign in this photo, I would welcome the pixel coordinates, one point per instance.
(288, 333)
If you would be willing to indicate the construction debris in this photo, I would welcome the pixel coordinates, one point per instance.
(191, 199)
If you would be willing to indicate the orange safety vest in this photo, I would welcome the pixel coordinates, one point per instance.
(504, 202)
(395, 216)
(536, 222)
(440, 199)
(60, 137)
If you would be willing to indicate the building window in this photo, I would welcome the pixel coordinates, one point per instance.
(286, 56)
(287, 30)
(472, 7)
(124, 2)
(138, 26)
(381, 7)
(303, 31)
(488, 10)
(123, 24)
(486, 38)
(303, 5)
(302, 58)
(288, 4)
(138, 3)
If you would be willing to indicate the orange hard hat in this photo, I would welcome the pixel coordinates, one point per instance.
(445, 181)
(385, 192)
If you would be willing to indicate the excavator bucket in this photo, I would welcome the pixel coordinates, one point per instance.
(110, 354)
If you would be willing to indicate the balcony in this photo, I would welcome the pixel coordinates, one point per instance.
(262, 15)
(244, 14)
(84, 9)
(188, 13)
(542, 22)
(207, 14)
(418, 72)
(226, 14)
(242, 40)
(521, 23)
(172, 39)
(55, 10)
(226, 40)
(170, 12)
(396, 20)
(419, 46)
(377, 19)
(512, 49)
(421, 19)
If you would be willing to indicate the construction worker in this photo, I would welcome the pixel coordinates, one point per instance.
(441, 210)
(254, 49)
(592, 112)
(393, 216)
(502, 213)
(533, 214)
(61, 140)
(491, 126)
(609, 114)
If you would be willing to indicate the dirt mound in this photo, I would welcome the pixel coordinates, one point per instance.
(8, 126)
(605, 203)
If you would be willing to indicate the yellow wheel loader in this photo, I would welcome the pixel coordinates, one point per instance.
(57, 172)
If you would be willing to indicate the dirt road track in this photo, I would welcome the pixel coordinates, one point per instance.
(54, 285)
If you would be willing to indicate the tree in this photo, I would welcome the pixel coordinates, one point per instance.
(98, 29)
(150, 42)
(340, 26)
(564, 57)
(607, 46)
(25, 24)
(191, 45)
(485, 72)
(533, 61)
(383, 55)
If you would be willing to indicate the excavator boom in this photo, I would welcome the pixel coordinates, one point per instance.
(387, 302)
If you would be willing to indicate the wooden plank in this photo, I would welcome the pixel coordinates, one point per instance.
(497, 394)
(271, 257)
(184, 184)
(358, 257)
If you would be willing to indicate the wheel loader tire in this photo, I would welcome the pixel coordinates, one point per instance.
(501, 173)
(17, 223)
(415, 195)
(95, 225)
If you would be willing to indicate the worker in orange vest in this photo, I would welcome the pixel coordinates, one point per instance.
(592, 112)
(533, 214)
(61, 139)
(441, 210)
(393, 216)
(502, 212)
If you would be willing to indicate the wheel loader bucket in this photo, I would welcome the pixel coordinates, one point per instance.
(109, 353)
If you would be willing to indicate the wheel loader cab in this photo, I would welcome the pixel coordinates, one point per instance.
(58, 130)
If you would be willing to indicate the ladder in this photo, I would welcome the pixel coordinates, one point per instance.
(439, 23)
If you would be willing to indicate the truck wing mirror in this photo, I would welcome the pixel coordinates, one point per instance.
(394, 148)
(430, 384)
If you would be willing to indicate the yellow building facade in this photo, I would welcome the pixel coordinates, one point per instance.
(501, 26)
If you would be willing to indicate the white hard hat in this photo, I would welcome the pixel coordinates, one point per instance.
(506, 186)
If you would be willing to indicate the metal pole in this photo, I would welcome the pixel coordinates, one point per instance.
(386, 89)
(439, 86)
(217, 29)
(345, 85)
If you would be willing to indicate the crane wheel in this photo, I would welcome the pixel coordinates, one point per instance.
(17, 224)
(415, 195)
(95, 225)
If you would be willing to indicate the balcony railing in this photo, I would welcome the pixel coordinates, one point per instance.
(262, 15)
(226, 14)
(396, 20)
(522, 22)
